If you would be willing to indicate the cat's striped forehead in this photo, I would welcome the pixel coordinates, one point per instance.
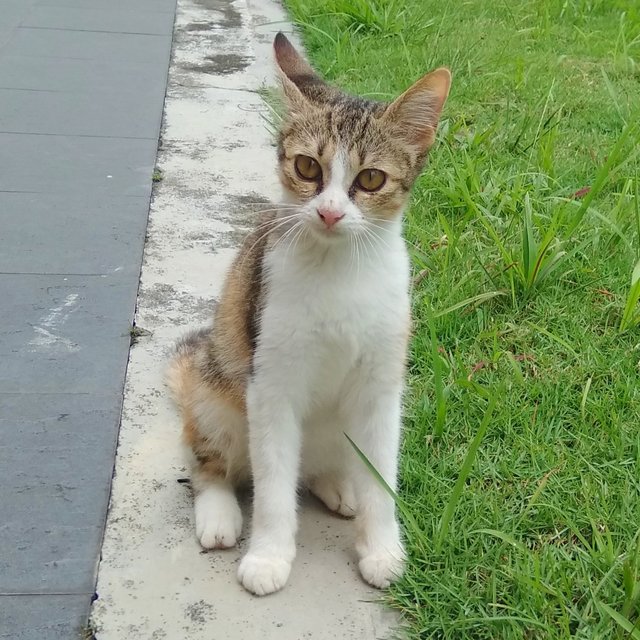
(351, 124)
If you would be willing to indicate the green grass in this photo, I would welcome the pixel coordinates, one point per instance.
(524, 234)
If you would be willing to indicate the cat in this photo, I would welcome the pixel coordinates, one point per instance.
(310, 334)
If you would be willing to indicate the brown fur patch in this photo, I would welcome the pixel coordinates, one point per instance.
(212, 463)
(214, 365)
(236, 326)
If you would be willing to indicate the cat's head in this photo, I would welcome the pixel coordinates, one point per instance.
(349, 162)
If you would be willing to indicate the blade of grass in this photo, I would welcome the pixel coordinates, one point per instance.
(636, 204)
(515, 367)
(474, 300)
(629, 315)
(482, 215)
(602, 175)
(537, 493)
(620, 620)
(402, 507)
(464, 473)
(614, 229)
(505, 537)
(543, 258)
(555, 338)
(441, 400)
(529, 245)
(585, 395)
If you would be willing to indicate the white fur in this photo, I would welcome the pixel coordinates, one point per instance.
(336, 491)
(218, 516)
(329, 361)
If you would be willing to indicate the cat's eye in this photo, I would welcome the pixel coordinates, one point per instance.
(371, 179)
(307, 168)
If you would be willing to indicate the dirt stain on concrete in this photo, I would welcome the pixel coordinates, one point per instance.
(221, 64)
(200, 612)
(231, 18)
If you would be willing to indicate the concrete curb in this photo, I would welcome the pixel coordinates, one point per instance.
(216, 157)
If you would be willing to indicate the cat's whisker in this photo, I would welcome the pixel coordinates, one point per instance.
(276, 221)
(264, 235)
(380, 244)
(275, 209)
(372, 239)
(352, 251)
(291, 237)
(272, 225)
(359, 246)
(282, 239)
(370, 226)
(282, 205)
(411, 244)
(299, 235)
(362, 252)
(352, 242)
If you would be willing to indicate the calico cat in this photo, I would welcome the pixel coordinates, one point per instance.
(310, 334)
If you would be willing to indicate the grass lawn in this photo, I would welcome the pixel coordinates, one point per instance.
(521, 460)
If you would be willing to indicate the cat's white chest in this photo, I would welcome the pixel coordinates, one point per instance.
(321, 319)
(337, 300)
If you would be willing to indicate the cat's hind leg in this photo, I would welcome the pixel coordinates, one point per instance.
(216, 437)
(335, 491)
(325, 465)
(215, 434)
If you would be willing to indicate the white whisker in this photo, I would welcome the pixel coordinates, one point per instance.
(298, 236)
(271, 226)
(280, 205)
(287, 233)
(411, 244)
(351, 251)
(373, 240)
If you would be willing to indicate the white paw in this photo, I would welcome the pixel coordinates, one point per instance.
(381, 568)
(263, 574)
(218, 519)
(337, 495)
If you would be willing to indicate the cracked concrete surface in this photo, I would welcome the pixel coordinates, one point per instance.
(218, 167)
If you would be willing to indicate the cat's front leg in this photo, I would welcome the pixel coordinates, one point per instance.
(375, 429)
(274, 441)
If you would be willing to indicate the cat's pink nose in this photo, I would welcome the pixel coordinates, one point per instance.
(330, 216)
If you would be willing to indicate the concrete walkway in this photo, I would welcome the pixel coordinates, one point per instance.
(216, 158)
(82, 85)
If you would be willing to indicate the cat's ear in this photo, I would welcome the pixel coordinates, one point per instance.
(418, 109)
(294, 72)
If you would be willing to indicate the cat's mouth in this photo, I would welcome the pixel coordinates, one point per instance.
(334, 233)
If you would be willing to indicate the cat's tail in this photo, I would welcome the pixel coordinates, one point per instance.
(182, 367)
